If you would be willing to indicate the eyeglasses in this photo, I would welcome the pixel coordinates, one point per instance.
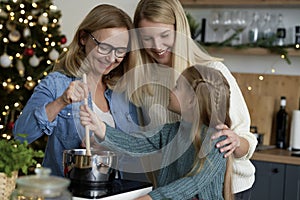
(105, 49)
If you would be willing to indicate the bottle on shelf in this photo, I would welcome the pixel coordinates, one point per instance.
(253, 31)
(268, 29)
(281, 124)
(297, 35)
(280, 31)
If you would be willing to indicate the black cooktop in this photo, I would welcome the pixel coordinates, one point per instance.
(106, 189)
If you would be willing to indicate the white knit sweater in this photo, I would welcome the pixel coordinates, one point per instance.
(243, 169)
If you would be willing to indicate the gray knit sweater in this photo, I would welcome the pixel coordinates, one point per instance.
(172, 182)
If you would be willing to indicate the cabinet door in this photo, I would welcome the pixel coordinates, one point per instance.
(292, 182)
(269, 181)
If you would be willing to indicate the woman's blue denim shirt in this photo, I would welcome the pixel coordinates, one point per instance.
(64, 132)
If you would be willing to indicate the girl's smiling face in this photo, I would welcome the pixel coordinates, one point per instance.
(118, 38)
(158, 40)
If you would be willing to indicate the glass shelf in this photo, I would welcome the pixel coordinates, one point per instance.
(249, 51)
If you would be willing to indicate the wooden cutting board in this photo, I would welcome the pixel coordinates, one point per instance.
(261, 110)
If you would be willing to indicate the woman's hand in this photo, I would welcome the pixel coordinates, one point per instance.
(145, 197)
(92, 121)
(76, 92)
(231, 143)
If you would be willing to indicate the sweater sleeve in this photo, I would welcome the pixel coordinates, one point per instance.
(238, 112)
(189, 187)
(138, 143)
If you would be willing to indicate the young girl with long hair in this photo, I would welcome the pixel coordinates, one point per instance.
(165, 40)
(191, 168)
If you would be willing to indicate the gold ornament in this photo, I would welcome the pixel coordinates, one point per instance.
(20, 68)
(14, 35)
(10, 88)
(29, 85)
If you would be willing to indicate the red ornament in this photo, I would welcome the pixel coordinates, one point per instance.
(10, 125)
(63, 40)
(29, 52)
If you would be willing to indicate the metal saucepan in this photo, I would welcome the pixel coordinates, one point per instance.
(96, 169)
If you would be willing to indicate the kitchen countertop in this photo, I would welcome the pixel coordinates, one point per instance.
(276, 155)
(115, 190)
(126, 195)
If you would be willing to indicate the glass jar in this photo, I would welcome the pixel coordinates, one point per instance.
(41, 186)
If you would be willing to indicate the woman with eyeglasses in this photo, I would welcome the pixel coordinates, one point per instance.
(100, 49)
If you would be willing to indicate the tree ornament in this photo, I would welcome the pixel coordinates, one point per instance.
(34, 61)
(43, 20)
(10, 87)
(35, 11)
(3, 13)
(14, 36)
(20, 68)
(63, 40)
(29, 85)
(10, 125)
(5, 60)
(53, 55)
(26, 32)
(10, 25)
(29, 51)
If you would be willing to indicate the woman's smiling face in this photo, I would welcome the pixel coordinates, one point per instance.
(158, 40)
(117, 38)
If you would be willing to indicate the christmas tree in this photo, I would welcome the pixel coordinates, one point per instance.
(30, 43)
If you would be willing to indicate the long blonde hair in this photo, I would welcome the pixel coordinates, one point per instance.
(185, 51)
(102, 16)
(212, 92)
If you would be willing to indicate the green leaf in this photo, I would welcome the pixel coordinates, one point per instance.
(15, 156)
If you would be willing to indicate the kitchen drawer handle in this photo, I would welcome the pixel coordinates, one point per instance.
(275, 171)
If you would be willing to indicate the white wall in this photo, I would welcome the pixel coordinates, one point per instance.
(73, 12)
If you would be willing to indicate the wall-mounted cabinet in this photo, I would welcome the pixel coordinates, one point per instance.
(242, 3)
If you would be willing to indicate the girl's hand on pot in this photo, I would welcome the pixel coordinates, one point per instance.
(92, 121)
(230, 144)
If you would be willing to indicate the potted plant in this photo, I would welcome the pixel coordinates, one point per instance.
(14, 157)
